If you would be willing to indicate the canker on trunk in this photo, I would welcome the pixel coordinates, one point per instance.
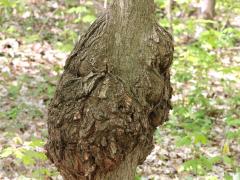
(114, 91)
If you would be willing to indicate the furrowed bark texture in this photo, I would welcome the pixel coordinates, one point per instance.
(114, 91)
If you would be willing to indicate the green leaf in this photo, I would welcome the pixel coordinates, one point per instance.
(18, 154)
(37, 143)
(14, 90)
(65, 47)
(191, 164)
(227, 177)
(206, 163)
(77, 10)
(216, 159)
(36, 155)
(137, 177)
(200, 138)
(88, 18)
(41, 172)
(227, 160)
(160, 3)
(28, 160)
(13, 113)
(233, 134)
(32, 38)
(6, 152)
(6, 3)
(185, 141)
(233, 122)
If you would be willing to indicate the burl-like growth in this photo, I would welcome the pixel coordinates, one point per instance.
(114, 91)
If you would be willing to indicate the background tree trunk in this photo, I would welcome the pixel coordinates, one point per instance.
(169, 8)
(114, 92)
(208, 9)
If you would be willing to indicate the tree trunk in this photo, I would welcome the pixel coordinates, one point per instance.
(169, 9)
(207, 12)
(114, 92)
(208, 9)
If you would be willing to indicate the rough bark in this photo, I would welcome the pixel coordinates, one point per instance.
(114, 91)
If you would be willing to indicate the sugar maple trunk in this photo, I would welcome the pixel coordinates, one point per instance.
(114, 91)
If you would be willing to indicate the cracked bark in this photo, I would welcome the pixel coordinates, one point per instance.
(114, 91)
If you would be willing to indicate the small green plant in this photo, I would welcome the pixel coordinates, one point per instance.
(14, 90)
(7, 8)
(24, 151)
(27, 153)
(200, 165)
(84, 12)
(13, 113)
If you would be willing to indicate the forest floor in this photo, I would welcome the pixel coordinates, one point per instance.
(202, 137)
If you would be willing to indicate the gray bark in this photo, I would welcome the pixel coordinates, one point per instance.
(208, 9)
(169, 14)
(114, 92)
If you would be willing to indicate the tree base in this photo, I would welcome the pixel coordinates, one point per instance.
(125, 171)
